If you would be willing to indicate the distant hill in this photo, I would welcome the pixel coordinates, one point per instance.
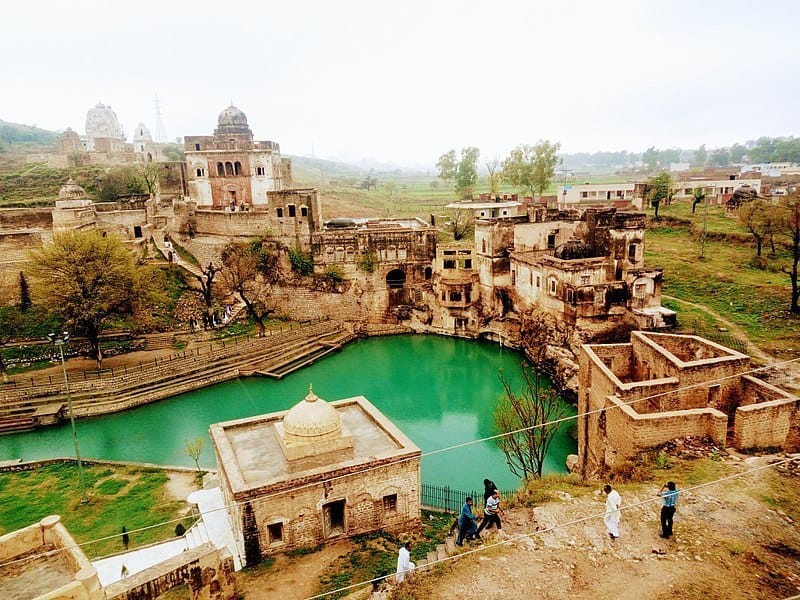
(15, 133)
(313, 170)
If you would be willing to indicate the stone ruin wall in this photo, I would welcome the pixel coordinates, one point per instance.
(208, 572)
(300, 511)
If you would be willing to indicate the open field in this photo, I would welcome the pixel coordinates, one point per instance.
(119, 496)
(725, 279)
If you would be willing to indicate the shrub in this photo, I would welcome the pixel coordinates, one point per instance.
(334, 274)
(179, 530)
(367, 262)
(302, 262)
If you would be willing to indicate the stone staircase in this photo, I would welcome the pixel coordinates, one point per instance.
(21, 406)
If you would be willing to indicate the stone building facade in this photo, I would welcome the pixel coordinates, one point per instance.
(577, 266)
(660, 387)
(229, 170)
(315, 474)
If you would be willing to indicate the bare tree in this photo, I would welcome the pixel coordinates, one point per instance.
(493, 167)
(524, 421)
(791, 226)
(207, 287)
(251, 270)
(461, 222)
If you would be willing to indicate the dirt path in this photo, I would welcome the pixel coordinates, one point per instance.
(727, 544)
(786, 376)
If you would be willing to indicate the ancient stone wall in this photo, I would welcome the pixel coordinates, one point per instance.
(384, 497)
(766, 418)
(207, 570)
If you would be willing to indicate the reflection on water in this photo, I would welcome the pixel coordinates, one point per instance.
(438, 390)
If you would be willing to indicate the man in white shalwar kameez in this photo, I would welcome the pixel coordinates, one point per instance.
(613, 513)
(404, 564)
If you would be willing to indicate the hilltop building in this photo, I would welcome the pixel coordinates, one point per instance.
(314, 474)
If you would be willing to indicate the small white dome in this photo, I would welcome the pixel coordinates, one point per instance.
(312, 417)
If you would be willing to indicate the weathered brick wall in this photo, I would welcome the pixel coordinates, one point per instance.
(767, 418)
(632, 432)
(301, 509)
(207, 570)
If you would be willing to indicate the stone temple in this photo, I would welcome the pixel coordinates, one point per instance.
(315, 474)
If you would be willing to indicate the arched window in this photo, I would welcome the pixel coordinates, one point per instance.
(401, 253)
(220, 169)
(199, 172)
(339, 254)
(259, 170)
(428, 272)
(237, 168)
(392, 253)
(381, 253)
(229, 169)
(348, 253)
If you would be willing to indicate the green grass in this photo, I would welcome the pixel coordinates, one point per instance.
(133, 497)
(724, 280)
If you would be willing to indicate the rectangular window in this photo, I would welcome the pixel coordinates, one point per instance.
(584, 194)
(632, 252)
(585, 279)
(468, 263)
(292, 212)
(197, 146)
(551, 240)
(538, 281)
(303, 211)
(449, 252)
(455, 296)
(280, 212)
(275, 533)
(449, 264)
(390, 503)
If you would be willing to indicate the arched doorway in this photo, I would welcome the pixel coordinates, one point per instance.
(396, 279)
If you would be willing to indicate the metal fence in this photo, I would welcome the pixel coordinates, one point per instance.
(449, 499)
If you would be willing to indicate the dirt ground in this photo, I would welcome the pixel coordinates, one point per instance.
(731, 541)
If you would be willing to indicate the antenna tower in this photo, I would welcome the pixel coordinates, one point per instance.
(161, 132)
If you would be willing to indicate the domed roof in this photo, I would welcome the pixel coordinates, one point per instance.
(312, 417)
(573, 249)
(232, 121)
(101, 122)
(232, 116)
(71, 191)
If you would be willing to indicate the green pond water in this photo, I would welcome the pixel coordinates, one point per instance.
(438, 390)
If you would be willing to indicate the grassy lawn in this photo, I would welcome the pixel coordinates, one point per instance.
(118, 496)
(725, 279)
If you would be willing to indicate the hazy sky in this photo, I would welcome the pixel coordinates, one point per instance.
(405, 81)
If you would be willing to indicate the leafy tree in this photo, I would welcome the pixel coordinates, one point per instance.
(367, 262)
(461, 174)
(121, 181)
(755, 217)
(532, 167)
(370, 181)
(650, 158)
(85, 277)
(660, 190)
(193, 449)
(149, 173)
(736, 152)
(701, 155)
(251, 269)
(302, 262)
(525, 422)
(720, 157)
(671, 155)
(790, 222)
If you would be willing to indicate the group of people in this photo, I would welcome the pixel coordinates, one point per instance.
(468, 528)
(669, 493)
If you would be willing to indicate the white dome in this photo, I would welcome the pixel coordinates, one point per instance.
(311, 418)
(71, 191)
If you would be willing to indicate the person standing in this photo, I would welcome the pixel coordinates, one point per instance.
(466, 523)
(613, 513)
(488, 489)
(404, 564)
(669, 492)
(491, 513)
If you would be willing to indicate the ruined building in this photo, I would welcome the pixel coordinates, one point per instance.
(578, 267)
(317, 473)
(660, 387)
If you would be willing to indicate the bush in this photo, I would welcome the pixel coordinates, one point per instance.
(334, 274)
(302, 262)
(179, 530)
(367, 262)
